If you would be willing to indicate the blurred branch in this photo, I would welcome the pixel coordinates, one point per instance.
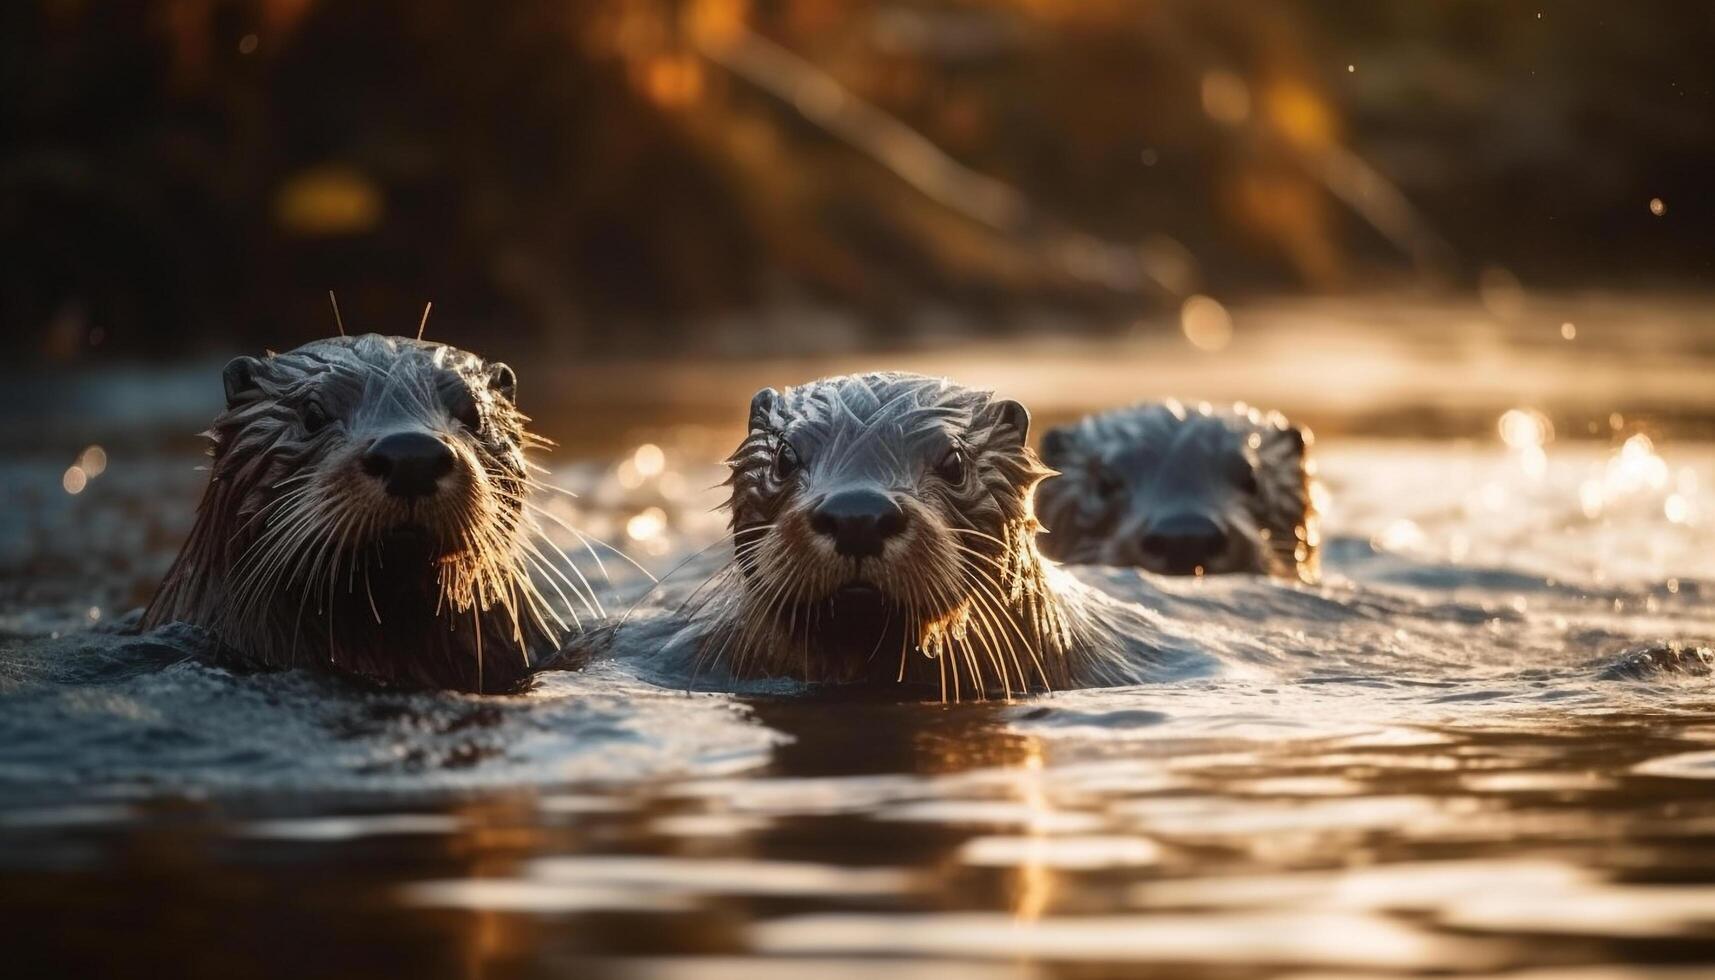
(868, 129)
(1377, 201)
(914, 159)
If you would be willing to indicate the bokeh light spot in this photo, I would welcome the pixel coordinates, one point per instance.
(1206, 324)
(93, 461)
(647, 525)
(1226, 98)
(1525, 428)
(649, 460)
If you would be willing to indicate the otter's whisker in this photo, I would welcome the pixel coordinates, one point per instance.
(980, 534)
(957, 638)
(740, 552)
(591, 604)
(777, 594)
(987, 614)
(545, 486)
(282, 548)
(587, 538)
(587, 592)
(990, 593)
(277, 527)
(303, 570)
(539, 511)
(367, 590)
(982, 617)
(723, 539)
(571, 608)
(273, 506)
(753, 626)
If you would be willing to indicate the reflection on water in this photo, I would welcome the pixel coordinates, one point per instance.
(1415, 768)
(1524, 842)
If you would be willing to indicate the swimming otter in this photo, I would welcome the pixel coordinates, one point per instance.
(366, 510)
(1182, 492)
(883, 534)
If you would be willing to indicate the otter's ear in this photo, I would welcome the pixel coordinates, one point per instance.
(239, 376)
(1289, 444)
(503, 381)
(762, 407)
(1056, 446)
(1012, 415)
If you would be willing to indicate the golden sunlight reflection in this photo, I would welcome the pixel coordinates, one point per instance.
(1676, 509)
(647, 503)
(1238, 937)
(1402, 535)
(1035, 883)
(628, 476)
(1635, 470)
(1035, 855)
(649, 460)
(1523, 428)
(646, 883)
(646, 526)
(1022, 814)
(1206, 324)
(93, 461)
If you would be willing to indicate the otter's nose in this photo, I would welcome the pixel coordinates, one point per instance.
(1181, 544)
(408, 464)
(859, 521)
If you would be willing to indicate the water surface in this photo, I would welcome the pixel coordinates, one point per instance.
(1421, 766)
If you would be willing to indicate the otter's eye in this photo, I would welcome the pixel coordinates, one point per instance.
(468, 414)
(952, 466)
(315, 417)
(785, 461)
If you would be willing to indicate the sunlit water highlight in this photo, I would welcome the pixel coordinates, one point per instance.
(1420, 765)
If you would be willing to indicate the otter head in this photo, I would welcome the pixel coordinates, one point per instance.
(366, 508)
(1182, 492)
(884, 531)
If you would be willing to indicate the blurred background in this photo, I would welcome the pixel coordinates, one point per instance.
(1374, 213)
(1468, 242)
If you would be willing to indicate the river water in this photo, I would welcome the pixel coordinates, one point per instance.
(1424, 765)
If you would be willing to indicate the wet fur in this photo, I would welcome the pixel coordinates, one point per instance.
(1248, 471)
(296, 557)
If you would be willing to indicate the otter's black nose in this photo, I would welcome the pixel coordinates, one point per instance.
(1182, 544)
(408, 464)
(859, 521)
